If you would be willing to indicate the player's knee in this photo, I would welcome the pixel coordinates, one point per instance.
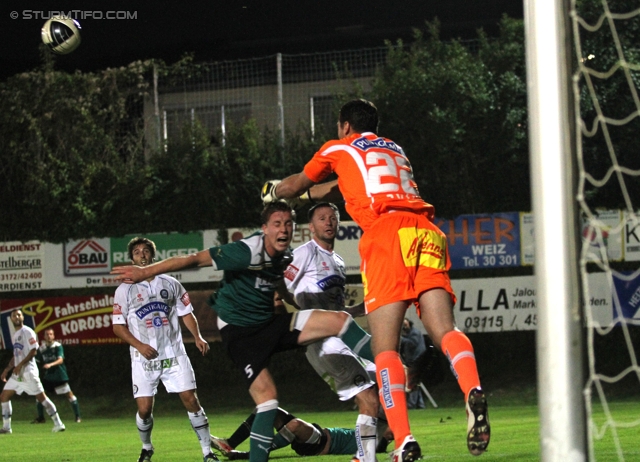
(367, 402)
(344, 321)
(294, 426)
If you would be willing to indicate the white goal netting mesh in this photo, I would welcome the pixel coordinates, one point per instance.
(607, 110)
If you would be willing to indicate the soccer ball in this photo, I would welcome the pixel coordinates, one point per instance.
(61, 35)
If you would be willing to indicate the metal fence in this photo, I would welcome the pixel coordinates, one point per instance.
(281, 92)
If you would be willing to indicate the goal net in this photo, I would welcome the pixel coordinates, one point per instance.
(582, 70)
(607, 109)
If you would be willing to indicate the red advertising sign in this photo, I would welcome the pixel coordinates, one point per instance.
(84, 320)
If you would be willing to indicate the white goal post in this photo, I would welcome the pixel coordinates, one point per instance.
(559, 339)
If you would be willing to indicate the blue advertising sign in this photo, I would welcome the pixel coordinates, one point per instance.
(483, 241)
(627, 287)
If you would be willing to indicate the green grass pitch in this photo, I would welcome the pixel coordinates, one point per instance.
(441, 433)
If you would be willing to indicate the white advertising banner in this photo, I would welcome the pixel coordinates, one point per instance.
(507, 304)
(631, 234)
(601, 234)
(21, 266)
(87, 263)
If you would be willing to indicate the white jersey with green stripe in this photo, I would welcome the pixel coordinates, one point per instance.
(151, 312)
(246, 293)
(316, 277)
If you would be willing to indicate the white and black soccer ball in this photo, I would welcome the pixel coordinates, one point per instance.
(61, 35)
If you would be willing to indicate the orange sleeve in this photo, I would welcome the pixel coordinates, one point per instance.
(321, 164)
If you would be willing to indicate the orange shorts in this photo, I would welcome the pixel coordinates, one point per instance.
(403, 255)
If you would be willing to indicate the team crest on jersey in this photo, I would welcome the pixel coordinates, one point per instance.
(164, 293)
(291, 272)
(358, 381)
(185, 299)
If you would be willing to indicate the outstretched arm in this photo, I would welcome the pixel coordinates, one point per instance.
(295, 185)
(131, 273)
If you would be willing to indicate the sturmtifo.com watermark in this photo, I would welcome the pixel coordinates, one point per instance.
(73, 14)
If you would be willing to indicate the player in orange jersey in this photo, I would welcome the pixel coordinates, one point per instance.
(404, 260)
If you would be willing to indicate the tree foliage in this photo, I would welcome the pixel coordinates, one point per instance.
(68, 143)
(73, 146)
(461, 118)
(606, 146)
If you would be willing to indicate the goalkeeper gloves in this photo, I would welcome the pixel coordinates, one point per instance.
(268, 195)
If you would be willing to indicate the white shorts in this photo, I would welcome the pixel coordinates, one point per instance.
(62, 389)
(346, 373)
(27, 383)
(176, 375)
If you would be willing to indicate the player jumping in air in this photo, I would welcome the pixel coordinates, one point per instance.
(404, 260)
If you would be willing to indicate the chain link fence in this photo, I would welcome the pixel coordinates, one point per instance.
(280, 92)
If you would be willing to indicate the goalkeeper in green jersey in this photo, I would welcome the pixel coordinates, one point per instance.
(54, 378)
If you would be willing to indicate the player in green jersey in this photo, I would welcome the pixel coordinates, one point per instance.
(55, 378)
(251, 331)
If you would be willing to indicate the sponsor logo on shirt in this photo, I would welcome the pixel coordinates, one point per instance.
(330, 282)
(152, 307)
(18, 346)
(159, 364)
(117, 309)
(291, 272)
(185, 299)
(365, 143)
(32, 341)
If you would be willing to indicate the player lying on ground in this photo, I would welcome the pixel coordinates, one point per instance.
(305, 438)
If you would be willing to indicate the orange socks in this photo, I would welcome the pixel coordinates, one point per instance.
(391, 382)
(457, 347)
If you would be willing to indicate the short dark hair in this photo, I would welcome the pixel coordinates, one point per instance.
(361, 114)
(320, 205)
(141, 240)
(273, 207)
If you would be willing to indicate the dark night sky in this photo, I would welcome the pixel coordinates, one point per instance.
(215, 30)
